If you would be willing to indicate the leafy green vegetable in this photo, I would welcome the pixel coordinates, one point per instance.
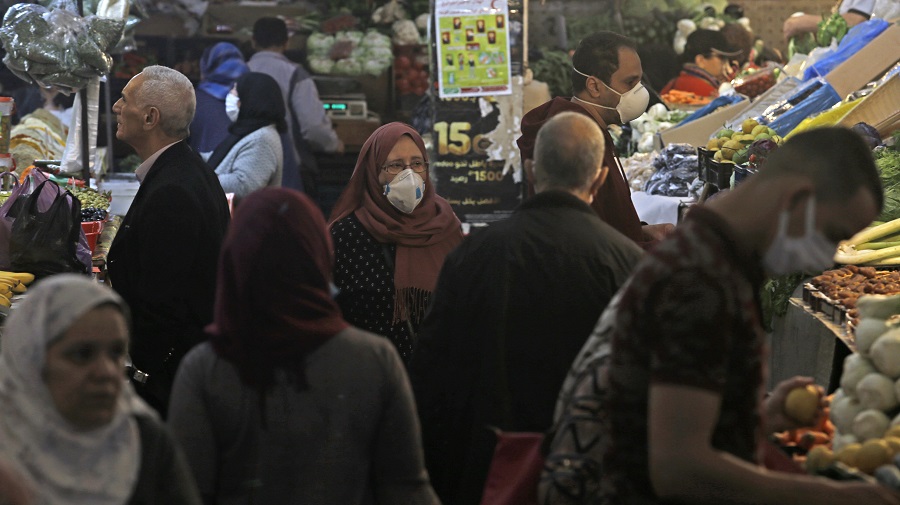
(554, 68)
(833, 28)
(579, 27)
(775, 297)
(801, 44)
(888, 162)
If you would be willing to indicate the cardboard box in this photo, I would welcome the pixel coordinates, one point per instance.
(354, 132)
(881, 109)
(871, 62)
(697, 132)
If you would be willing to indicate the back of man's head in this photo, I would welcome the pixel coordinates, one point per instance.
(836, 160)
(269, 32)
(568, 153)
(173, 95)
(598, 55)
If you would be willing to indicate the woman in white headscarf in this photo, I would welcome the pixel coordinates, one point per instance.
(69, 421)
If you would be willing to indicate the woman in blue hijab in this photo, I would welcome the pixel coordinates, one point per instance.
(220, 67)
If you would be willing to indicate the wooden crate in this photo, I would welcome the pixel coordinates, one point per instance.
(767, 17)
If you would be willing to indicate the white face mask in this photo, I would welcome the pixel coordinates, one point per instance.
(812, 252)
(405, 191)
(632, 103)
(231, 106)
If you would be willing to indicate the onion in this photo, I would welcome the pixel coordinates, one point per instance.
(869, 424)
(876, 391)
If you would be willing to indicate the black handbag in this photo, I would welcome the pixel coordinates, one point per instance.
(44, 242)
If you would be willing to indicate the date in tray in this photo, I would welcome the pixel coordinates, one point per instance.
(819, 302)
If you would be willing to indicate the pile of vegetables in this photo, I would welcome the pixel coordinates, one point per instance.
(349, 53)
(751, 140)
(677, 96)
(638, 169)
(754, 82)
(887, 159)
(880, 244)
(554, 68)
(802, 405)
(657, 27)
(706, 18)
(676, 172)
(865, 407)
(411, 74)
(656, 119)
(830, 29)
(877, 246)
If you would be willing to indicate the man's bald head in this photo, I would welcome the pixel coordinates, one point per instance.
(568, 153)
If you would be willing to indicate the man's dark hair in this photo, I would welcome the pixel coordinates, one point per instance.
(598, 55)
(837, 160)
(269, 32)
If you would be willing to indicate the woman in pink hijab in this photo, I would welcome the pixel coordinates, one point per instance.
(391, 233)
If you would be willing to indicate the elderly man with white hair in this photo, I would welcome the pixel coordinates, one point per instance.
(163, 259)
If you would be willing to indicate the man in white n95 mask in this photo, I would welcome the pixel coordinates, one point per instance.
(606, 82)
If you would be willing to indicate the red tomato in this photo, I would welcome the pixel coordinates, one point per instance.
(402, 62)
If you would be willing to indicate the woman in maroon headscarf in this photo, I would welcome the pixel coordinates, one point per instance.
(391, 234)
(287, 403)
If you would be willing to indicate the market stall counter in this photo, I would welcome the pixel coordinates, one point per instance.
(819, 328)
(808, 342)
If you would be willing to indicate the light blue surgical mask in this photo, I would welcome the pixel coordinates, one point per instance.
(811, 252)
(232, 106)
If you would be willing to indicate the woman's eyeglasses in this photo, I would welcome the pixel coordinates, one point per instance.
(395, 167)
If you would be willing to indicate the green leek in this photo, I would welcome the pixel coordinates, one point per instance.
(848, 255)
(876, 245)
(874, 233)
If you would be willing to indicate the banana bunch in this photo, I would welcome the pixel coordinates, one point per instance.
(11, 284)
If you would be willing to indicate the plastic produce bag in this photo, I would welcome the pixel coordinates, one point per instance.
(810, 98)
(827, 118)
(856, 39)
(676, 169)
(56, 47)
(45, 241)
(72, 162)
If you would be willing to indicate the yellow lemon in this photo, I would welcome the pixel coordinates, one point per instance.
(802, 404)
(819, 458)
(872, 454)
(893, 431)
(847, 454)
(894, 443)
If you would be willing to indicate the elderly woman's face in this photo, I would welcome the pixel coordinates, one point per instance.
(405, 151)
(84, 368)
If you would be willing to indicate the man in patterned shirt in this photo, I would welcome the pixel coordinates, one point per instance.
(677, 359)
